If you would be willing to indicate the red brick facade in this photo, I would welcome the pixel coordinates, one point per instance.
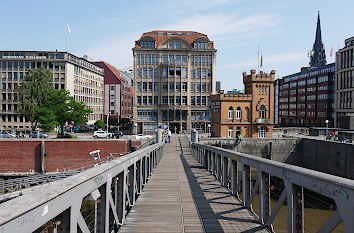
(25, 156)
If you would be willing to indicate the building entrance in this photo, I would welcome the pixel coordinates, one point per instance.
(175, 127)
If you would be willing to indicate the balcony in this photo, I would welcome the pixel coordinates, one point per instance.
(262, 121)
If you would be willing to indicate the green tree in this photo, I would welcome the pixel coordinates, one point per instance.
(112, 121)
(61, 108)
(100, 124)
(33, 93)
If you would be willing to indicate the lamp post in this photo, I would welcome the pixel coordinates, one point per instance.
(107, 125)
(136, 129)
(209, 127)
(326, 121)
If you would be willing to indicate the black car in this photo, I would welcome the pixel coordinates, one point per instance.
(117, 133)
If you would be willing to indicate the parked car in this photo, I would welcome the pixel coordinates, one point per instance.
(65, 135)
(117, 133)
(102, 134)
(74, 130)
(34, 134)
(142, 136)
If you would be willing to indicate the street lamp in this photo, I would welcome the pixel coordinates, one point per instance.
(107, 125)
(326, 121)
(136, 129)
(209, 127)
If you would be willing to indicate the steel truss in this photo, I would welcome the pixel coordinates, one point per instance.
(224, 164)
(123, 177)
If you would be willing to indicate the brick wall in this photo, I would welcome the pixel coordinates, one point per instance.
(25, 156)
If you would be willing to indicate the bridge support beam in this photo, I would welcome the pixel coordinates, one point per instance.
(246, 184)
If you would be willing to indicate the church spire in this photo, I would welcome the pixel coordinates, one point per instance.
(318, 54)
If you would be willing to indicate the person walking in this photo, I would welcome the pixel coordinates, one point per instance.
(169, 135)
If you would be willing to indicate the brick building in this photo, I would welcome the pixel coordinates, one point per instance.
(117, 93)
(249, 114)
(174, 75)
(306, 98)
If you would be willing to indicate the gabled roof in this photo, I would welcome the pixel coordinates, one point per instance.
(161, 35)
(111, 74)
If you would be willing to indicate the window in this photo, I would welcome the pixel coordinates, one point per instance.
(230, 132)
(164, 100)
(238, 113)
(184, 100)
(171, 44)
(139, 100)
(171, 100)
(262, 112)
(192, 87)
(178, 100)
(156, 86)
(231, 113)
(262, 132)
(156, 100)
(184, 86)
(165, 86)
(172, 72)
(178, 44)
(172, 86)
(193, 100)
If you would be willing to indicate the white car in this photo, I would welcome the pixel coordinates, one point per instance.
(102, 134)
(142, 136)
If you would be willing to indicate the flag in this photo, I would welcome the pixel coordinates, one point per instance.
(261, 60)
(331, 52)
(68, 28)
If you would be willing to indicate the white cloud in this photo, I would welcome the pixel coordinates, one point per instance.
(225, 24)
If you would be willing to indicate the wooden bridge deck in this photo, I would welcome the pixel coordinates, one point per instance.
(181, 196)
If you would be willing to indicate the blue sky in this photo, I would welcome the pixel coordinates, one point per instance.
(106, 30)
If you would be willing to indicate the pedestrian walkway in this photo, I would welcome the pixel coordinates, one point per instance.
(181, 196)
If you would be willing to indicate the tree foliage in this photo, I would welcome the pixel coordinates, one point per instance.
(33, 93)
(100, 124)
(59, 109)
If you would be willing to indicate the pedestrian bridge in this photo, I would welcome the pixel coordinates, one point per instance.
(179, 187)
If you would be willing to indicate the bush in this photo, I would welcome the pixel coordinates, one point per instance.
(100, 124)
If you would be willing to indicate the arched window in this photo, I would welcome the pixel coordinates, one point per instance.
(262, 112)
(262, 132)
(238, 113)
(231, 113)
(230, 132)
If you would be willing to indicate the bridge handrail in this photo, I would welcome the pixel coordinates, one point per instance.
(218, 160)
(42, 203)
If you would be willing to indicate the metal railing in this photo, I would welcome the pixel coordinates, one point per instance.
(114, 186)
(224, 164)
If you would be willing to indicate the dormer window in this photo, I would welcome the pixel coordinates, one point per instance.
(188, 34)
(160, 33)
(169, 33)
(147, 44)
(174, 44)
(201, 44)
(179, 33)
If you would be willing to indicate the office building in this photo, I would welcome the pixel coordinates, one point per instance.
(305, 99)
(344, 87)
(83, 79)
(117, 93)
(174, 75)
(249, 115)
